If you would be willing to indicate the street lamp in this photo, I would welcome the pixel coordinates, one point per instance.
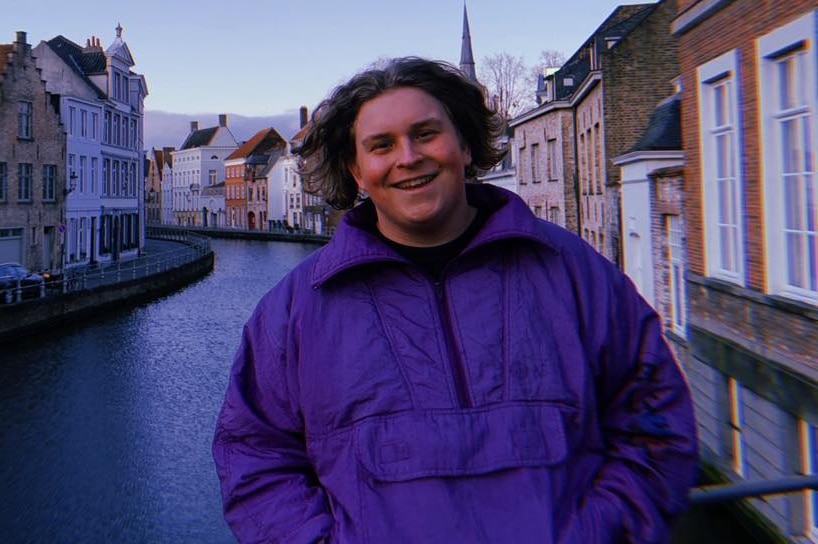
(72, 183)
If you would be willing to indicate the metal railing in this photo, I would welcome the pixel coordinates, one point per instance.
(748, 489)
(190, 248)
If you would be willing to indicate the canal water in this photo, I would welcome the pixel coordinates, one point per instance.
(105, 427)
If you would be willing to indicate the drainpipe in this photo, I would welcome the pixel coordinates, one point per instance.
(577, 195)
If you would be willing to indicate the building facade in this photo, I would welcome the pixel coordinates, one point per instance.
(32, 163)
(199, 163)
(102, 107)
(749, 112)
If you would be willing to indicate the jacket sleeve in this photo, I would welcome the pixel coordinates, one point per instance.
(646, 419)
(270, 491)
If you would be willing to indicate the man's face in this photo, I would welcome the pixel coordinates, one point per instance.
(410, 160)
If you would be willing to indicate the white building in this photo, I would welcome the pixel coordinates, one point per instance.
(101, 106)
(199, 163)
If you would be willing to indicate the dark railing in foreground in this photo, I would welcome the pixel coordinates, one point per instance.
(743, 490)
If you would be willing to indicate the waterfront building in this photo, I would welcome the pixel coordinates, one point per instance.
(749, 110)
(652, 213)
(199, 163)
(166, 215)
(32, 163)
(101, 102)
(247, 182)
(214, 210)
(154, 166)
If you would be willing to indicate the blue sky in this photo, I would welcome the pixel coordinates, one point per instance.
(256, 57)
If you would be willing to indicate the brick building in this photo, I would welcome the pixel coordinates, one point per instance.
(594, 108)
(749, 111)
(32, 163)
(154, 168)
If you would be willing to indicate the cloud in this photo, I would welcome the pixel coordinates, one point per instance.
(165, 129)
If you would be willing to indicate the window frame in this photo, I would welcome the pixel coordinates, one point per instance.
(790, 41)
(49, 182)
(674, 231)
(721, 71)
(25, 120)
(25, 183)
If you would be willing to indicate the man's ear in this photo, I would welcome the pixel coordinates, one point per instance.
(355, 172)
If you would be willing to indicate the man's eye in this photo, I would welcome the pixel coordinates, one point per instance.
(380, 146)
(426, 135)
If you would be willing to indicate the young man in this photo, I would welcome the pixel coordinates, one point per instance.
(449, 368)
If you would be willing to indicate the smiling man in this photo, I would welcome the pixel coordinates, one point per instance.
(449, 368)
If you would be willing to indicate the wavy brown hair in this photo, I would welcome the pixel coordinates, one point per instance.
(328, 147)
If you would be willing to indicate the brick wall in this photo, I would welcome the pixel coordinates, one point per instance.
(543, 192)
(637, 75)
(21, 82)
(736, 26)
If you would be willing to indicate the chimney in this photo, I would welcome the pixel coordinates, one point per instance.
(20, 42)
(194, 126)
(223, 120)
(303, 116)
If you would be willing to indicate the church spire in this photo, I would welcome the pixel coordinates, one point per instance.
(466, 55)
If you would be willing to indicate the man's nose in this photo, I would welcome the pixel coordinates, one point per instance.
(408, 153)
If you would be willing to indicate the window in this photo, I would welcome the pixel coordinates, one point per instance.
(49, 181)
(597, 159)
(721, 178)
(212, 177)
(81, 181)
(535, 162)
(538, 211)
(106, 177)
(94, 122)
(789, 110)
(93, 180)
(83, 252)
(809, 466)
(4, 182)
(72, 172)
(125, 141)
(116, 130)
(554, 214)
(590, 161)
(676, 285)
(132, 187)
(115, 179)
(83, 123)
(106, 131)
(72, 119)
(551, 151)
(134, 135)
(582, 183)
(24, 173)
(736, 393)
(25, 113)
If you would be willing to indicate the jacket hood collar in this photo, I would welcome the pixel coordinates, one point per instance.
(355, 243)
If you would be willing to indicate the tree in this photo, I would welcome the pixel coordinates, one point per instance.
(549, 59)
(505, 78)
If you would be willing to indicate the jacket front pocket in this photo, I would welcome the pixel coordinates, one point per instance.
(483, 475)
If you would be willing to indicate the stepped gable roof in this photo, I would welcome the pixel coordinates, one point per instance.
(83, 62)
(5, 51)
(261, 143)
(618, 24)
(199, 138)
(159, 159)
(664, 132)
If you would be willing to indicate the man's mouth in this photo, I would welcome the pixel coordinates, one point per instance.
(414, 183)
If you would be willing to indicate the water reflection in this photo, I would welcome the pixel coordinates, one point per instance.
(106, 426)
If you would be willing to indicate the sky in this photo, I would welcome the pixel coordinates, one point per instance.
(262, 58)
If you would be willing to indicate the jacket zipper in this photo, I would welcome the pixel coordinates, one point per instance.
(455, 362)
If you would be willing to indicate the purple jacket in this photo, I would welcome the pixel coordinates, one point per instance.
(527, 397)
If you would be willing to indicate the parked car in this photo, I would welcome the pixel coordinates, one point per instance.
(14, 276)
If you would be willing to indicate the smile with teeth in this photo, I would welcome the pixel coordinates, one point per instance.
(414, 183)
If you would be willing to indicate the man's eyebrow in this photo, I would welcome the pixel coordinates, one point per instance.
(428, 122)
